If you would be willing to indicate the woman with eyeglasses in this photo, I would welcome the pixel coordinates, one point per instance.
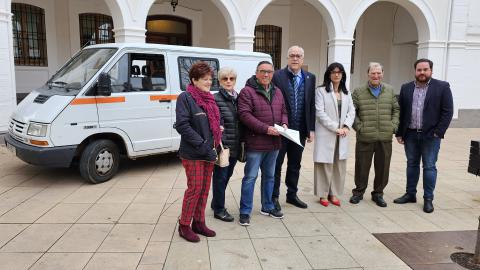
(226, 99)
(334, 113)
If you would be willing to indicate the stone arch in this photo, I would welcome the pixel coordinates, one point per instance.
(418, 9)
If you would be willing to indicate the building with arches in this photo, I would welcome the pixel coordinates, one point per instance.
(38, 36)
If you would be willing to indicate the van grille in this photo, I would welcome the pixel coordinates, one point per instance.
(41, 99)
(17, 126)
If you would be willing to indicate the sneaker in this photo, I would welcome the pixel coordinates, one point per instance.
(244, 220)
(273, 213)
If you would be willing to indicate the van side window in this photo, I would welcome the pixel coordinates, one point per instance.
(139, 72)
(184, 64)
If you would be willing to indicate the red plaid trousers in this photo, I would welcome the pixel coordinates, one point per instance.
(199, 176)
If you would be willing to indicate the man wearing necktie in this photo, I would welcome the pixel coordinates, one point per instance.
(298, 89)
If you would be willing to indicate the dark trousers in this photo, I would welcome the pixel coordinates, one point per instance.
(294, 154)
(364, 152)
(221, 176)
(419, 147)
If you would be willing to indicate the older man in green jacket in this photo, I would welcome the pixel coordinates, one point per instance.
(376, 120)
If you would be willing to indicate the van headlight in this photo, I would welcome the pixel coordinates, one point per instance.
(37, 130)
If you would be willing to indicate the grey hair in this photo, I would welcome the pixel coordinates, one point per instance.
(225, 71)
(374, 65)
(296, 47)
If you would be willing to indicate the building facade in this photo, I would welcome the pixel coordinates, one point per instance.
(38, 36)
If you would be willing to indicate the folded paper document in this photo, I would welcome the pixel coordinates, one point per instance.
(291, 134)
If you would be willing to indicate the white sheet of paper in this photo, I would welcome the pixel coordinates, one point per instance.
(291, 134)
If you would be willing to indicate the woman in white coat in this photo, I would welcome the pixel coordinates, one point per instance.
(334, 113)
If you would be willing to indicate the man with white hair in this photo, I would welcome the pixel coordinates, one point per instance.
(376, 120)
(298, 89)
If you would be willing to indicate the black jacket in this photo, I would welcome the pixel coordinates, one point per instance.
(229, 118)
(192, 124)
(437, 109)
(282, 79)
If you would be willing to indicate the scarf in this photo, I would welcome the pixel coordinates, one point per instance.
(206, 101)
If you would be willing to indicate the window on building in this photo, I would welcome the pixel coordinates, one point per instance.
(138, 72)
(184, 64)
(165, 29)
(268, 39)
(29, 35)
(95, 29)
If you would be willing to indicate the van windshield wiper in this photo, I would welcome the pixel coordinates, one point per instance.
(57, 84)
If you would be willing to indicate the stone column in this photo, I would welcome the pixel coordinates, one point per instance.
(130, 34)
(241, 42)
(7, 72)
(340, 50)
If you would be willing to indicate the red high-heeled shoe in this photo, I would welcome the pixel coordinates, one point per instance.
(324, 202)
(334, 202)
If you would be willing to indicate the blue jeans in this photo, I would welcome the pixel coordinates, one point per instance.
(266, 162)
(221, 176)
(418, 146)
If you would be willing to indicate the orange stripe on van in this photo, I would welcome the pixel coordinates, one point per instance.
(163, 97)
(97, 100)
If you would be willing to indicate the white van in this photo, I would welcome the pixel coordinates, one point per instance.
(113, 99)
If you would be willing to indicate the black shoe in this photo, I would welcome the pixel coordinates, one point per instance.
(273, 213)
(355, 199)
(427, 205)
(378, 199)
(244, 220)
(224, 216)
(406, 198)
(276, 204)
(296, 201)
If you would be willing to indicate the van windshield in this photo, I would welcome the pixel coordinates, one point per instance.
(80, 69)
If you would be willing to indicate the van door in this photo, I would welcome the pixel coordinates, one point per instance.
(142, 106)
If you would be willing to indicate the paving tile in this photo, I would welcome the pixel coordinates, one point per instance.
(103, 213)
(367, 250)
(142, 213)
(230, 254)
(131, 182)
(324, 252)
(444, 220)
(18, 261)
(280, 253)
(62, 261)
(127, 238)
(86, 194)
(163, 232)
(155, 254)
(5, 207)
(304, 225)
(197, 259)
(117, 261)
(18, 194)
(152, 195)
(376, 222)
(410, 221)
(26, 212)
(13, 180)
(160, 182)
(339, 223)
(54, 194)
(9, 231)
(172, 210)
(82, 238)
(119, 195)
(264, 227)
(36, 238)
(64, 213)
(176, 195)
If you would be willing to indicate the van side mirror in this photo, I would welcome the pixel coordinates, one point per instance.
(104, 85)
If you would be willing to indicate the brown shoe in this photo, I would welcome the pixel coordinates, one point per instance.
(187, 233)
(201, 228)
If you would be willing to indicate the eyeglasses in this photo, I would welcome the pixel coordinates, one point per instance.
(336, 73)
(265, 71)
(228, 79)
(299, 56)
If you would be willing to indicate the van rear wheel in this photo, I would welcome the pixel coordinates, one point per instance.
(99, 161)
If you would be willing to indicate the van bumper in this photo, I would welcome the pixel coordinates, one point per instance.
(61, 156)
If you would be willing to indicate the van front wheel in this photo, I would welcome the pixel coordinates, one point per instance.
(99, 161)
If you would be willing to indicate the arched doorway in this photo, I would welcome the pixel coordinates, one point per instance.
(385, 33)
(167, 29)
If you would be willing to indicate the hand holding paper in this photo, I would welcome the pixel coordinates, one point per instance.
(290, 134)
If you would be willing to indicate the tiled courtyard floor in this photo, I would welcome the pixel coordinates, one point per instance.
(53, 219)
